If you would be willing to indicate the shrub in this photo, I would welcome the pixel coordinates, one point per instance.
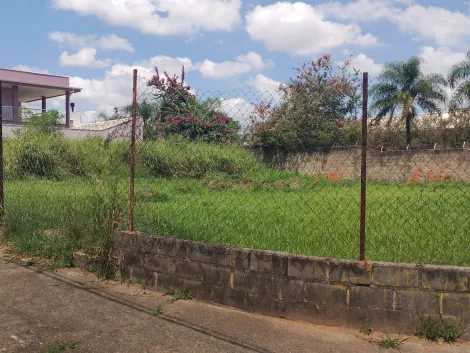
(435, 328)
(426, 130)
(44, 221)
(45, 122)
(313, 111)
(42, 155)
(179, 112)
(178, 158)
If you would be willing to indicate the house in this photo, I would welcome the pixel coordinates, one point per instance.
(18, 87)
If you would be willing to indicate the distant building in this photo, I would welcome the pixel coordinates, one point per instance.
(18, 87)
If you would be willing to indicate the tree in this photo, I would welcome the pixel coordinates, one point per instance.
(315, 109)
(179, 112)
(403, 87)
(459, 80)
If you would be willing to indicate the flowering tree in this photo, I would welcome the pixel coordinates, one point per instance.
(315, 109)
(179, 112)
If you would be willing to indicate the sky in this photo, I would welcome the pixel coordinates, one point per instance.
(230, 48)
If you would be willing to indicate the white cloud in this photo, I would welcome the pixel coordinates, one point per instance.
(439, 60)
(115, 88)
(85, 57)
(243, 64)
(163, 17)
(171, 65)
(443, 26)
(30, 69)
(238, 109)
(76, 41)
(267, 89)
(301, 29)
(363, 63)
(360, 10)
(264, 84)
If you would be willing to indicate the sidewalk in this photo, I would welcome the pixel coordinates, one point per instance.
(39, 307)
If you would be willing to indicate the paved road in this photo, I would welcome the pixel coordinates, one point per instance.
(37, 308)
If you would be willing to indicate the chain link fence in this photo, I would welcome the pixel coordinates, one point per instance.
(210, 166)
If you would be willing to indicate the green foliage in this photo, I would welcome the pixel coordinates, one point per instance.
(178, 158)
(182, 296)
(177, 111)
(426, 132)
(44, 221)
(403, 89)
(434, 329)
(45, 122)
(387, 342)
(59, 346)
(158, 310)
(44, 155)
(367, 330)
(203, 122)
(459, 80)
(315, 109)
(269, 210)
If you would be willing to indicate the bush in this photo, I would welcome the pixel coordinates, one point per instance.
(434, 329)
(179, 158)
(47, 156)
(314, 109)
(44, 221)
(179, 112)
(426, 131)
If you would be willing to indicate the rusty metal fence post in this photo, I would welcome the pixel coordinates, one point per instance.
(2, 194)
(365, 92)
(132, 171)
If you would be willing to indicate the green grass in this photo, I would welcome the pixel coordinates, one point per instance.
(387, 342)
(63, 195)
(59, 346)
(52, 219)
(418, 223)
(158, 310)
(181, 296)
(434, 329)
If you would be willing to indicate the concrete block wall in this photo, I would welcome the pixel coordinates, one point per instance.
(386, 296)
(403, 166)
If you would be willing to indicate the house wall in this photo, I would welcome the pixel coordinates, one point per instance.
(6, 96)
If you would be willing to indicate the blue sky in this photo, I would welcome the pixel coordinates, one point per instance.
(226, 45)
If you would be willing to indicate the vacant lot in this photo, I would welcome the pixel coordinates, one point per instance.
(420, 222)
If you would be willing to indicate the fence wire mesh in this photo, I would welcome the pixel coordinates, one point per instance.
(210, 166)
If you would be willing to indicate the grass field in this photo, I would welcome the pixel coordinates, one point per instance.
(421, 222)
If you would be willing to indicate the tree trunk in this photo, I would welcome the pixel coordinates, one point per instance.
(408, 130)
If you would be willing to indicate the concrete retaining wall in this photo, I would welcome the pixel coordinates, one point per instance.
(404, 166)
(386, 296)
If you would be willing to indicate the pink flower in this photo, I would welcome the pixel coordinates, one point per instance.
(341, 123)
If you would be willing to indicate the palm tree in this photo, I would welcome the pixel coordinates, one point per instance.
(403, 87)
(459, 80)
